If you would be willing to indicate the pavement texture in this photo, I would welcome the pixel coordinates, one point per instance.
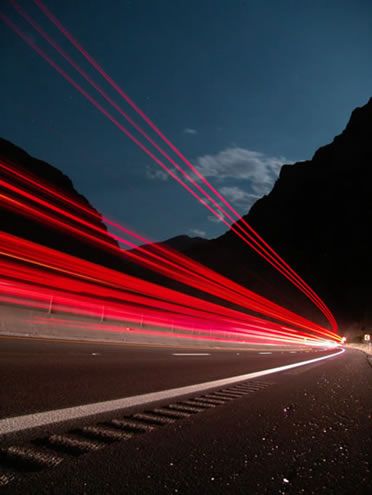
(40, 375)
(305, 430)
(367, 348)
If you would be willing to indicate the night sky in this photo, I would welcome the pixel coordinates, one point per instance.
(239, 86)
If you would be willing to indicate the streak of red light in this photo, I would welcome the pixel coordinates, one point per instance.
(205, 280)
(266, 251)
(123, 296)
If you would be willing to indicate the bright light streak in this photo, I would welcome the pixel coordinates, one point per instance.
(51, 272)
(81, 289)
(19, 423)
(195, 275)
(242, 229)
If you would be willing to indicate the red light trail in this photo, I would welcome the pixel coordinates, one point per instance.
(242, 228)
(33, 273)
(160, 259)
(251, 237)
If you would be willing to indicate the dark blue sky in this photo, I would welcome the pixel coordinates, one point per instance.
(239, 86)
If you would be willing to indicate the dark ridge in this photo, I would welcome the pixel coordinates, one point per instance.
(183, 243)
(318, 217)
(180, 243)
(32, 229)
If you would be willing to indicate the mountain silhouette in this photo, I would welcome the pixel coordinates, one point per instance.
(33, 229)
(318, 217)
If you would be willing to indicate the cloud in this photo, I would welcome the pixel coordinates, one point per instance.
(216, 219)
(197, 232)
(242, 164)
(189, 130)
(232, 164)
(238, 196)
(242, 175)
(156, 174)
(213, 218)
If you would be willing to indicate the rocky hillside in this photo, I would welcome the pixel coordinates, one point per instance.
(318, 216)
(32, 229)
(183, 243)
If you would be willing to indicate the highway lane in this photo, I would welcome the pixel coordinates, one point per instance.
(307, 432)
(42, 375)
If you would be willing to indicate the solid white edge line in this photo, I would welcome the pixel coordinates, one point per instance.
(28, 421)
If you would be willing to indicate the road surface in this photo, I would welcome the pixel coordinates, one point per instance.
(38, 375)
(305, 429)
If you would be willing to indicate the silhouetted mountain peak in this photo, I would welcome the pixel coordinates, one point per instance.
(318, 217)
(21, 158)
(34, 230)
(183, 242)
(354, 140)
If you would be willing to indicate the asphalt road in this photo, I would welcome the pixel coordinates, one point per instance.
(304, 430)
(40, 375)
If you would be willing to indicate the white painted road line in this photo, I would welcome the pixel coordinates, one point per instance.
(265, 353)
(190, 354)
(19, 423)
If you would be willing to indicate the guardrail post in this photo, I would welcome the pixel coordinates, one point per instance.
(50, 309)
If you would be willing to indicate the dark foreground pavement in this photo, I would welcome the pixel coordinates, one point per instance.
(40, 375)
(308, 431)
